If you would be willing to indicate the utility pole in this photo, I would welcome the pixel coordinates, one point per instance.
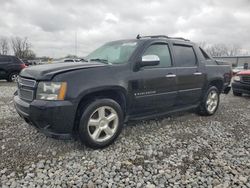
(76, 43)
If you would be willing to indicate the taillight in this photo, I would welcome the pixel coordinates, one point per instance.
(23, 66)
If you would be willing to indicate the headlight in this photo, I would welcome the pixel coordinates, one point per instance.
(237, 78)
(51, 90)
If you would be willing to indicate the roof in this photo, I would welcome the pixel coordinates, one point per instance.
(162, 37)
(6, 55)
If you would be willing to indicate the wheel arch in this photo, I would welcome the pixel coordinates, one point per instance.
(217, 82)
(116, 93)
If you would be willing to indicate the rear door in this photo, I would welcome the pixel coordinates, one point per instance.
(154, 87)
(190, 75)
(5, 62)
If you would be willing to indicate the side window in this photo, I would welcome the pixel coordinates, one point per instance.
(162, 51)
(184, 56)
(4, 59)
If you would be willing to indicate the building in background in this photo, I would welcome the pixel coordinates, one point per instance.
(235, 61)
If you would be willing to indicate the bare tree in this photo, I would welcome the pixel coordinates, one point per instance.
(4, 46)
(19, 46)
(234, 50)
(22, 48)
(217, 50)
(202, 44)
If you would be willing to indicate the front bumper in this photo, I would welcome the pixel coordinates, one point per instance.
(241, 87)
(53, 118)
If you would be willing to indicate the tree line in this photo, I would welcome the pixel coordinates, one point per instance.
(218, 50)
(21, 47)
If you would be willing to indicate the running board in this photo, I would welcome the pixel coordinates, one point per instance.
(154, 115)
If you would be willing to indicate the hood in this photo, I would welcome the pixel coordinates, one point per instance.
(245, 72)
(46, 72)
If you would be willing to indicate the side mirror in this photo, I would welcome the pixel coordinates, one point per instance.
(150, 60)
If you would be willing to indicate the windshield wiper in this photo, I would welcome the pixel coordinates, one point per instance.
(100, 60)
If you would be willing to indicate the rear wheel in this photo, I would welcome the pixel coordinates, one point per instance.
(237, 93)
(12, 77)
(210, 102)
(101, 123)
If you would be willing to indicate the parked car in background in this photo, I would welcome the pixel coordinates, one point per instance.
(237, 69)
(29, 62)
(10, 67)
(241, 83)
(71, 60)
(123, 80)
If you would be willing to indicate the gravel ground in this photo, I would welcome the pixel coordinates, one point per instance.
(183, 150)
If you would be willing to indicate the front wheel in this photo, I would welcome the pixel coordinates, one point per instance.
(210, 102)
(100, 123)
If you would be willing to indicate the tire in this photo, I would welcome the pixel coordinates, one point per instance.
(12, 77)
(101, 123)
(210, 102)
(237, 94)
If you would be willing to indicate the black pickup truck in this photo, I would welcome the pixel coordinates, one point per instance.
(120, 81)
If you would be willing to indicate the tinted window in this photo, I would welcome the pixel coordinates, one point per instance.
(4, 59)
(184, 56)
(162, 51)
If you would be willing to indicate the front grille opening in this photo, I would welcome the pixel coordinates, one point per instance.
(26, 94)
(26, 88)
(246, 79)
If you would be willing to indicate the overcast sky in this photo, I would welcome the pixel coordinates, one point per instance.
(51, 25)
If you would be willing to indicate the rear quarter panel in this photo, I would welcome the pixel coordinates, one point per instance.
(219, 72)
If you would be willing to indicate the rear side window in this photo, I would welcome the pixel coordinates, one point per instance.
(5, 59)
(162, 51)
(184, 56)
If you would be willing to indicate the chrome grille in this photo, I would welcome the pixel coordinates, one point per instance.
(26, 88)
(26, 82)
(26, 94)
(246, 79)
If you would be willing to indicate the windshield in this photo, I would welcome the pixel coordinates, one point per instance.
(117, 52)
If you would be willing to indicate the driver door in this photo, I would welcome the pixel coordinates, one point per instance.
(154, 87)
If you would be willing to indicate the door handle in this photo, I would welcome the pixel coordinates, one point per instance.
(170, 75)
(197, 73)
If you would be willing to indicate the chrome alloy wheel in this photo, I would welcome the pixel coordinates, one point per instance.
(103, 123)
(212, 101)
(14, 77)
